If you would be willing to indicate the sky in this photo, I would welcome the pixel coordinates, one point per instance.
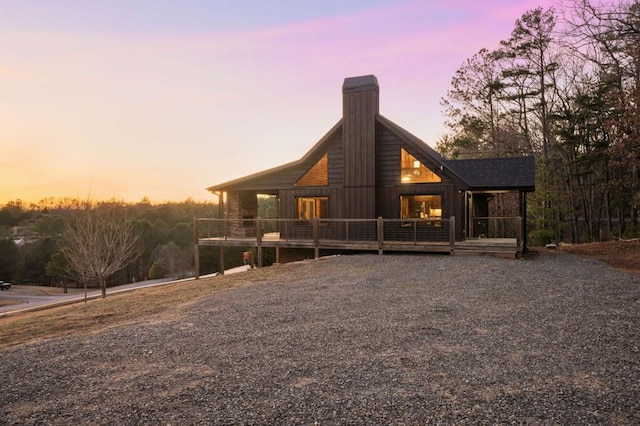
(125, 99)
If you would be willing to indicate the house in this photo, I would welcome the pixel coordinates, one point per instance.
(367, 167)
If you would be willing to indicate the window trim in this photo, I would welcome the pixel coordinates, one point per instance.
(316, 208)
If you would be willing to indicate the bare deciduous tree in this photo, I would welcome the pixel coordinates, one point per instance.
(96, 245)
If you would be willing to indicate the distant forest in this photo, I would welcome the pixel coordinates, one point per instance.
(564, 86)
(31, 238)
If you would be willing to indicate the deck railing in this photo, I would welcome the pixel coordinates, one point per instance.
(321, 230)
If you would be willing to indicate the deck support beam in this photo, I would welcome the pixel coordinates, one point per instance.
(221, 260)
(259, 240)
(316, 239)
(196, 248)
(380, 235)
(452, 233)
(196, 260)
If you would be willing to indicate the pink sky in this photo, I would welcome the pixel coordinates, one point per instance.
(124, 103)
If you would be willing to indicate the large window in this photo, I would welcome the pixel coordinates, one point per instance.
(421, 207)
(309, 207)
(413, 171)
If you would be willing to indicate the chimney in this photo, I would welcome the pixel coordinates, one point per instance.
(360, 107)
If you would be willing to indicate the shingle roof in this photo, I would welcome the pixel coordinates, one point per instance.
(496, 173)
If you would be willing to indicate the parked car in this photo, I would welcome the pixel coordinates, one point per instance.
(4, 286)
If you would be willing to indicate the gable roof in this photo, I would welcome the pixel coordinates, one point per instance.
(496, 173)
(500, 173)
(283, 176)
(511, 173)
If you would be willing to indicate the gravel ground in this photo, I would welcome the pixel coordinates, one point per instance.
(358, 340)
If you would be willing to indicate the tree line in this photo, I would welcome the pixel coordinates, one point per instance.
(47, 243)
(565, 87)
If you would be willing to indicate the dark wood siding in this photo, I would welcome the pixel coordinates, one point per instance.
(336, 160)
(360, 111)
(359, 203)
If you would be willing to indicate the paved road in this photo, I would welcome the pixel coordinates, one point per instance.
(34, 302)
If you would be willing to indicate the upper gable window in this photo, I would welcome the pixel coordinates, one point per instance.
(317, 175)
(413, 171)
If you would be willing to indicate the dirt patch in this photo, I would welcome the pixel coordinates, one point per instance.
(623, 254)
(8, 302)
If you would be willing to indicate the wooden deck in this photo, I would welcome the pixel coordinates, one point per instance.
(505, 246)
(376, 235)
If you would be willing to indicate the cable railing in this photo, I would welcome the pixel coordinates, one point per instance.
(434, 235)
(322, 230)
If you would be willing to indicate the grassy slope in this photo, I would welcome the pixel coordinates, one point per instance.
(99, 314)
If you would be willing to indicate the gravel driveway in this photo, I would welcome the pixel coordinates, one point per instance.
(361, 339)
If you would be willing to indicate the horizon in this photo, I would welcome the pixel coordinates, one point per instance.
(116, 101)
(68, 202)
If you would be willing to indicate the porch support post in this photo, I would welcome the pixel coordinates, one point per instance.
(523, 213)
(380, 234)
(519, 234)
(470, 215)
(277, 254)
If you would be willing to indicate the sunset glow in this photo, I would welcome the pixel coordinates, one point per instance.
(114, 100)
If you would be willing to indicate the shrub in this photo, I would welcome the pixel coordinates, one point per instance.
(157, 271)
(631, 232)
(541, 237)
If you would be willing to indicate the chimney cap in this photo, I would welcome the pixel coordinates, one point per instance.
(361, 83)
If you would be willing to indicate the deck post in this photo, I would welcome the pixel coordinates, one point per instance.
(196, 249)
(316, 242)
(452, 233)
(196, 260)
(221, 260)
(277, 254)
(380, 234)
(259, 240)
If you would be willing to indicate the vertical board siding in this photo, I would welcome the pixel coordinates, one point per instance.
(360, 110)
(336, 161)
